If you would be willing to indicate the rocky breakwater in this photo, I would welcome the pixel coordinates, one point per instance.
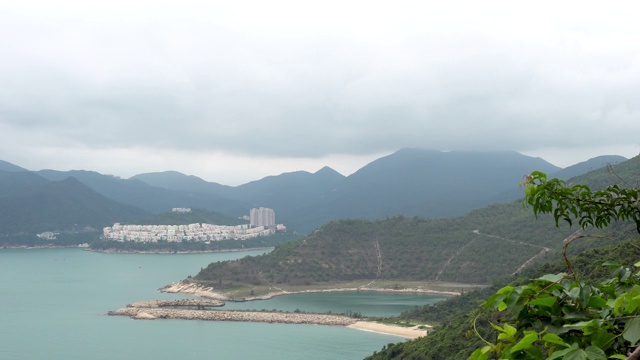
(150, 313)
(180, 303)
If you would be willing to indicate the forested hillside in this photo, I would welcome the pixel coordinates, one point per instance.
(591, 274)
(476, 248)
(199, 216)
(463, 249)
(67, 207)
(454, 337)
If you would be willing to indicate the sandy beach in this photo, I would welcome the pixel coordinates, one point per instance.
(407, 332)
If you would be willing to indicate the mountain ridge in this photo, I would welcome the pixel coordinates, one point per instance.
(410, 182)
(461, 249)
(62, 205)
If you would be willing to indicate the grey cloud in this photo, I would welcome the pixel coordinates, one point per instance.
(204, 87)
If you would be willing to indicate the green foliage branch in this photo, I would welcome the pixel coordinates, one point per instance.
(590, 208)
(558, 316)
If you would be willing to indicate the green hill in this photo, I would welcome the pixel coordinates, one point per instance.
(453, 337)
(60, 206)
(462, 249)
(199, 216)
(16, 182)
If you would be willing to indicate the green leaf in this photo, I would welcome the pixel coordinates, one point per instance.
(492, 300)
(552, 278)
(548, 301)
(632, 331)
(618, 356)
(580, 324)
(597, 302)
(506, 337)
(595, 353)
(479, 355)
(554, 339)
(510, 329)
(602, 339)
(525, 342)
(505, 290)
(573, 293)
(502, 306)
(569, 353)
(576, 355)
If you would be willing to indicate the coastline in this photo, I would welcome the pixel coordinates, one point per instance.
(160, 251)
(26, 247)
(114, 251)
(191, 288)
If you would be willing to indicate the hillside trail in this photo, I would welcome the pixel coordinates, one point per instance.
(379, 254)
(543, 251)
(376, 245)
(455, 255)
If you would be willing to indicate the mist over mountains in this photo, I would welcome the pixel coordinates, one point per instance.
(409, 182)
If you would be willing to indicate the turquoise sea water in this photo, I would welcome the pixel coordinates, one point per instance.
(53, 304)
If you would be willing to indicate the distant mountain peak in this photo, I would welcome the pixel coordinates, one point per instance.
(7, 166)
(589, 165)
(327, 171)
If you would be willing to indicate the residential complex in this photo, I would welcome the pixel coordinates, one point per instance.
(264, 225)
(179, 233)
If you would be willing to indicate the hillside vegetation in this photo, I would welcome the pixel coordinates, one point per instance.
(66, 205)
(462, 249)
(453, 338)
(461, 318)
(479, 247)
(196, 216)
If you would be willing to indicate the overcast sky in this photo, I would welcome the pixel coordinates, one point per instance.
(237, 90)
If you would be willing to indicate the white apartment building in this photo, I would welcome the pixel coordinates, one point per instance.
(262, 217)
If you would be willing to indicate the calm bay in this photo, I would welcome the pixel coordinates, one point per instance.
(53, 304)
